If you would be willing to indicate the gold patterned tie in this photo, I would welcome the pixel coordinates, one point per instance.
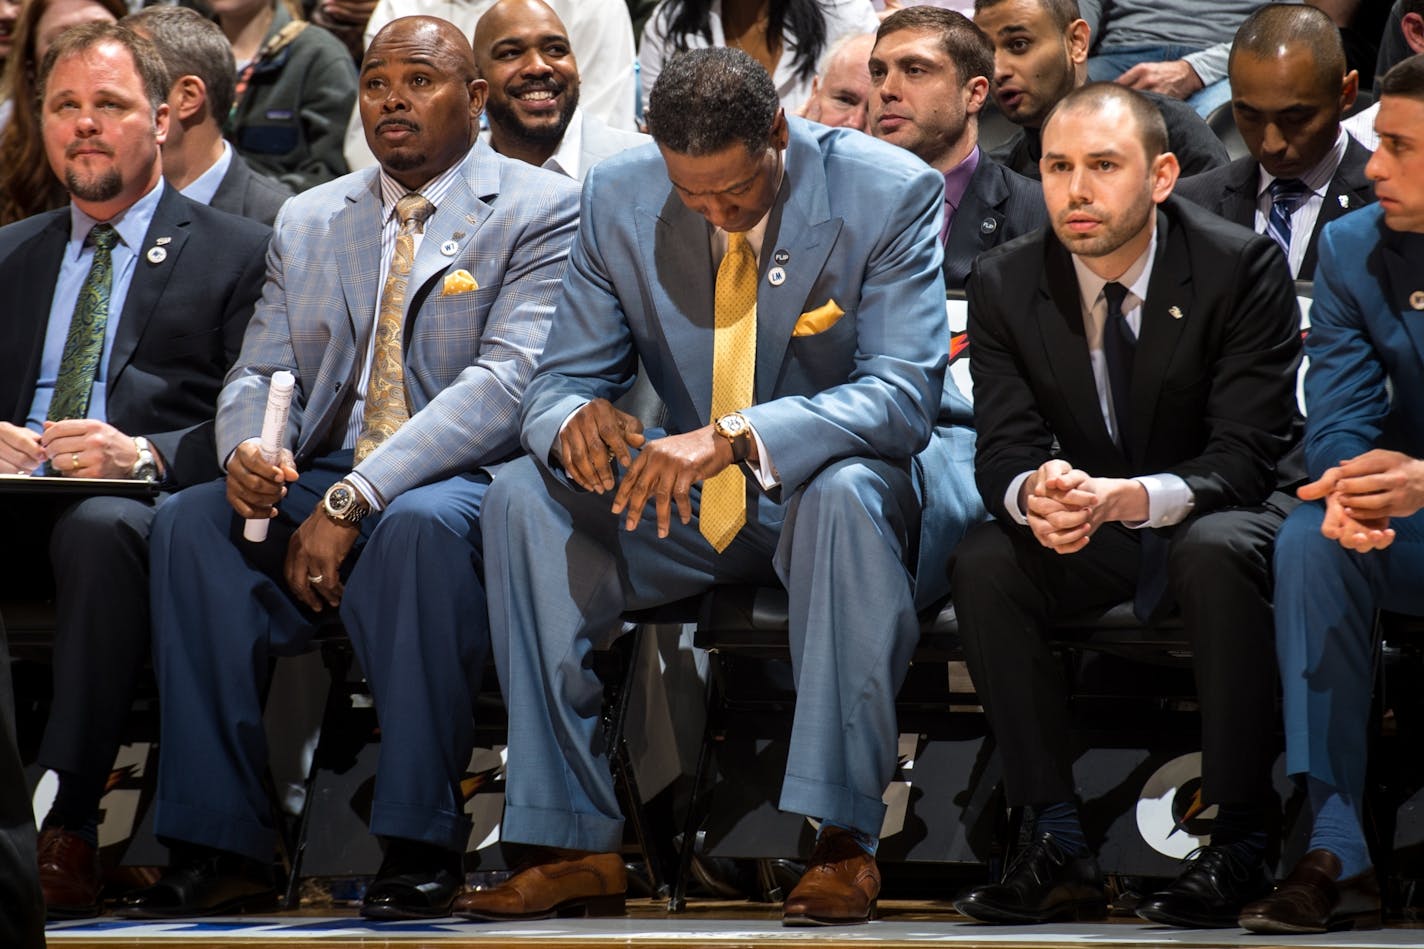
(386, 408)
(84, 346)
(724, 496)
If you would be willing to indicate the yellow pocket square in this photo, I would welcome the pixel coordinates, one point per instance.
(818, 320)
(460, 281)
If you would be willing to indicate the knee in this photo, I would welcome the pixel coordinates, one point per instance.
(859, 488)
(985, 568)
(1212, 547)
(1300, 542)
(101, 524)
(518, 486)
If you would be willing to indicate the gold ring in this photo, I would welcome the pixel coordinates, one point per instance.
(74, 460)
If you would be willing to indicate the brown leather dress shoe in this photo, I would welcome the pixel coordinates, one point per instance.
(69, 874)
(553, 883)
(839, 887)
(1313, 900)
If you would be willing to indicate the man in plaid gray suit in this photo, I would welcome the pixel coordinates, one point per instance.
(411, 323)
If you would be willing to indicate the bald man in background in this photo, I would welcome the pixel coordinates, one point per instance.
(841, 90)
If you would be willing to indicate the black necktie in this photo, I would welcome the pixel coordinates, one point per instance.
(1119, 348)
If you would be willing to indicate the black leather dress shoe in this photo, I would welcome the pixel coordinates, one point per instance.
(1209, 892)
(415, 881)
(1314, 900)
(211, 884)
(1042, 883)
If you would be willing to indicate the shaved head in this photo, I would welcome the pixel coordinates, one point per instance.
(440, 39)
(1277, 29)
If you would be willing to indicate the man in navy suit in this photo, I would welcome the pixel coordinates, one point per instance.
(1289, 87)
(779, 283)
(1354, 547)
(180, 286)
(929, 79)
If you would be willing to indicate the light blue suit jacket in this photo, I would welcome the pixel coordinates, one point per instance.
(1364, 388)
(468, 356)
(857, 222)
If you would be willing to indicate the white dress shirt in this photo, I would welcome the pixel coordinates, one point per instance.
(1308, 211)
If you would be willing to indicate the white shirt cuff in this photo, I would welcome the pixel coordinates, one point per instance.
(1011, 499)
(367, 492)
(765, 471)
(1169, 500)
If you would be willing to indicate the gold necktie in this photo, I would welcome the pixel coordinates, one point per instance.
(386, 408)
(724, 496)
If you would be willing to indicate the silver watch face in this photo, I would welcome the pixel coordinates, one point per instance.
(732, 425)
(339, 499)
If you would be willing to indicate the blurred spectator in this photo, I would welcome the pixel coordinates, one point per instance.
(599, 29)
(296, 85)
(840, 91)
(9, 11)
(1040, 55)
(27, 185)
(1403, 38)
(787, 36)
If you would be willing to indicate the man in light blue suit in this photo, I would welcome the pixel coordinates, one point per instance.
(807, 260)
(1359, 545)
(411, 303)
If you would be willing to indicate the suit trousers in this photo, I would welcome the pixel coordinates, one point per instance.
(569, 570)
(1009, 590)
(1326, 597)
(413, 606)
(22, 911)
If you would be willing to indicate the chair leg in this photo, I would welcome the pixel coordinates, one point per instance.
(693, 820)
(622, 762)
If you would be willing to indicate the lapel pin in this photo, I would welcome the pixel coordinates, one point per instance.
(157, 255)
(781, 257)
(1416, 299)
(1176, 312)
(163, 240)
(450, 248)
(776, 276)
(989, 225)
(1345, 201)
(458, 235)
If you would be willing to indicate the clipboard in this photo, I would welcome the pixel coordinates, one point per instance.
(45, 485)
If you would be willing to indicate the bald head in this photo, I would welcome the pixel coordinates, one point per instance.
(1115, 102)
(419, 98)
(842, 88)
(1280, 30)
(522, 51)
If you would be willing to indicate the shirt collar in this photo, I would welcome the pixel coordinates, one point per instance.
(956, 180)
(1318, 178)
(203, 188)
(1135, 278)
(565, 159)
(433, 190)
(131, 223)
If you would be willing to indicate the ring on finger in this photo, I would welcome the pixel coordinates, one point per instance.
(74, 460)
(316, 579)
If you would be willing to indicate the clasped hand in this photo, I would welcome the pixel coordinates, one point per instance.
(1065, 506)
(1362, 493)
(78, 448)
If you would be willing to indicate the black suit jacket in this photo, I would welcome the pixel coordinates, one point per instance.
(249, 194)
(1213, 383)
(998, 206)
(180, 329)
(1231, 192)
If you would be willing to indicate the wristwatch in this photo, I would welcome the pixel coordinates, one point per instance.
(145, 467)
(344, 504)
(735, 428)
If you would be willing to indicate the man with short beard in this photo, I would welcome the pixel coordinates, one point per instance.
(523, 51)
(1133, 396)
(124, 311)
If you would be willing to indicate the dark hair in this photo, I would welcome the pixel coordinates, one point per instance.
(1406, 79)
(706, 99)
(151, 70)
(1266, 32)
(803, 19)
(27, 183)
(1062, 12)
(1151, 129)
(967, 46)
(1407, 7)
(191, 45)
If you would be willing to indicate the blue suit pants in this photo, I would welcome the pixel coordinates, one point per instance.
(568, 570)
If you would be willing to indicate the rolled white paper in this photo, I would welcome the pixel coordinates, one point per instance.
(274, 430)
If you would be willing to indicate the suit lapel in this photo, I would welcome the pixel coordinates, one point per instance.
(1165, 314)
(801, 226)
(1065, 342)
(169, 232)
(1348, 191)
(978, 218)
(1403, 281)
(454, 226)
(1238, 200)
(676, 249)
(356, 240)
(22, 331)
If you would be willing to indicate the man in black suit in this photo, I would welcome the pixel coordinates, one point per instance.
(1134, 380)
(928, 72)
(1040, 55)
(1289, 89)
(127, 308)
(197, 160)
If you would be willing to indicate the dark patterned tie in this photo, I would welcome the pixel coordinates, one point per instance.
(84, 346)
(386, 408)
(1287, 194)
